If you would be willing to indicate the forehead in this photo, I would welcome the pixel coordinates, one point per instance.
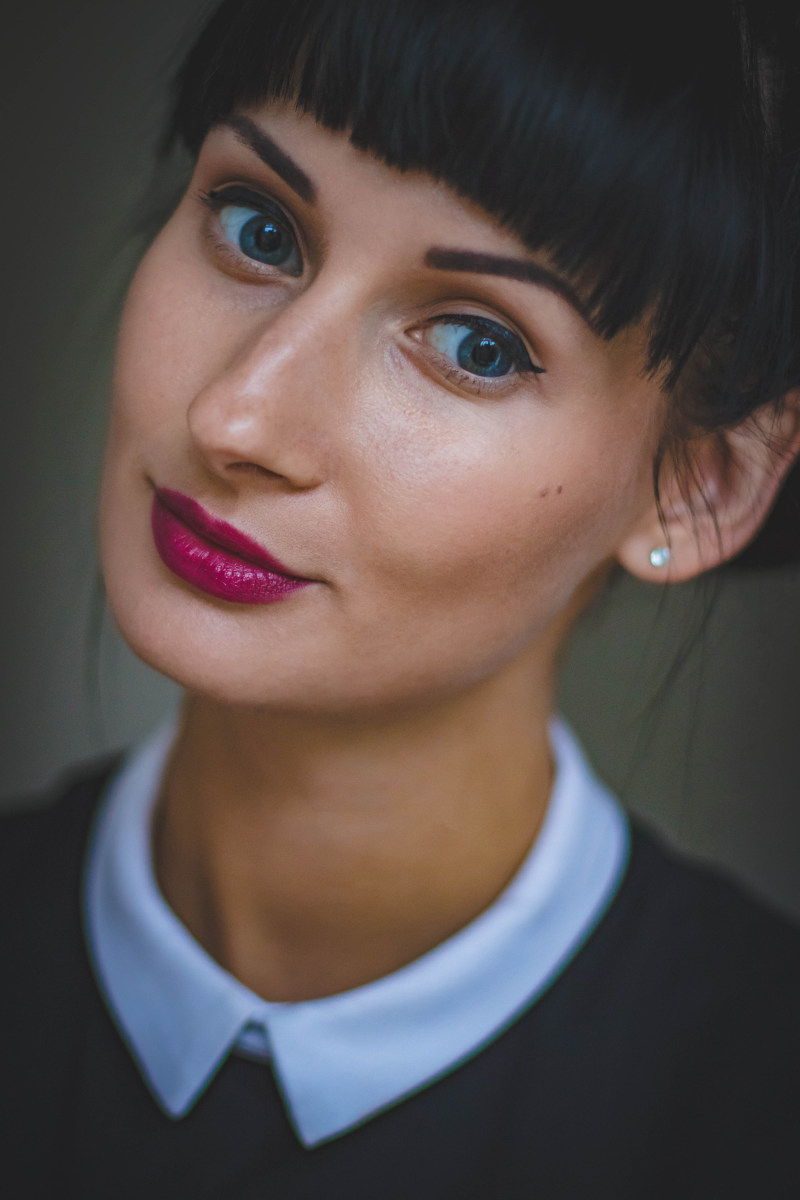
(325, 169)
(586, 128)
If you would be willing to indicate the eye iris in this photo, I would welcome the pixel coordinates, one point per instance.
(482, 355)
(261, 238)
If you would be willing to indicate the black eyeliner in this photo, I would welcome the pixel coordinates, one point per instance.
(511, 342)
(217, 198)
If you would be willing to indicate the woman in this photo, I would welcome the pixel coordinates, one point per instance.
(457, 312)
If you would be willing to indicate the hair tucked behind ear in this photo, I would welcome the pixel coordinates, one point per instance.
(770, 39)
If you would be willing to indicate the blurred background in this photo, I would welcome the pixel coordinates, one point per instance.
(686, 699)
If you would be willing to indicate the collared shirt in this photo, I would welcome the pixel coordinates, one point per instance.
(341, 1059)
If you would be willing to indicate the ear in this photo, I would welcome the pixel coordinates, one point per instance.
(715, 504)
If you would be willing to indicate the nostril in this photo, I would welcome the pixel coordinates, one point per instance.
(252, 468)
(290, 483)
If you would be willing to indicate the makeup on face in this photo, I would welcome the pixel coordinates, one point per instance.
(377, 385)
(214, 556)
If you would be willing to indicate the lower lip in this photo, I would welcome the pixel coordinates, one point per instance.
(213, 570)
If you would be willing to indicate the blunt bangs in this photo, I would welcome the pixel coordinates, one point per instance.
(629, 143)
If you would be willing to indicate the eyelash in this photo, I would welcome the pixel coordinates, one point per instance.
(511, 343)
(217, 199)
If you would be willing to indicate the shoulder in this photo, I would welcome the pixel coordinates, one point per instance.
(685, 960)
(40, 832)
(698, 982)
(707, 983)
(42, 853)
(77, 787)
(78, 784)
(686, 952)
(695, 923)
(48, 1000)
(697, 955)
(674, 1031)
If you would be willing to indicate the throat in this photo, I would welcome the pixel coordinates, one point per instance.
(307, 884)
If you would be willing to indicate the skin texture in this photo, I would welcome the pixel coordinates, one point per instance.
(363, 765)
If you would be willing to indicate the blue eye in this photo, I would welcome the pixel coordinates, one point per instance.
(480, 347)
(256, 228)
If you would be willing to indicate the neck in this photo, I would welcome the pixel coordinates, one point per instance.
(312, 856)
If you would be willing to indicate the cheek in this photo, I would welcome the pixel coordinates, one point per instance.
(158, 348)
(458, 531)
(154, 361)
(490, 535)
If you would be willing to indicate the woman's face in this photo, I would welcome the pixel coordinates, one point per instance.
(365, 376)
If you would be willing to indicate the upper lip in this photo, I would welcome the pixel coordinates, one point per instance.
(220, 533)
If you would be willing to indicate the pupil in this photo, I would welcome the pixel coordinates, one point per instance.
(485, 353)
(268, 239)
(262, 239)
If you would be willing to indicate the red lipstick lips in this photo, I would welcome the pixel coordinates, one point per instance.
(215, 557)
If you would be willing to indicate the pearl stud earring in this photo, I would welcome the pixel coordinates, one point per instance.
(660, 556)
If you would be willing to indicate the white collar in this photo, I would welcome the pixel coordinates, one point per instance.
(341, 1059)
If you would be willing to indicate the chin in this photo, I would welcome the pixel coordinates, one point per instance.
(193, 651)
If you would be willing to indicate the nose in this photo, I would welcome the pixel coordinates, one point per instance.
(276, 404)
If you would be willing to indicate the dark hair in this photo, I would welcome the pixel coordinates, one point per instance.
(646, 148)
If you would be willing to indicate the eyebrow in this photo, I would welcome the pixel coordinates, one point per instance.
(271, 154)
(510, 268)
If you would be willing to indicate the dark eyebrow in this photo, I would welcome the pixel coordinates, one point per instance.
(511, 268)
(270, 153)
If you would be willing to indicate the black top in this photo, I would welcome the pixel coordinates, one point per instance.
(662, 1064)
